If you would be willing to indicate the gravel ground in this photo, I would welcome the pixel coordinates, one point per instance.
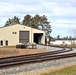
(36, 66)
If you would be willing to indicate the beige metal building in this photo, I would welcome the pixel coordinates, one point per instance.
(15, 34)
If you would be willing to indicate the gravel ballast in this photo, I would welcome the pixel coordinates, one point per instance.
(17, 70)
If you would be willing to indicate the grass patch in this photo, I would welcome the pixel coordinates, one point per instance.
(66, 71)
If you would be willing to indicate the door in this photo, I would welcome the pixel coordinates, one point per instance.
(6, 42)
(1, 43)
(24, 36)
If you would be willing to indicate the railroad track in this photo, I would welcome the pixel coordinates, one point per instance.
(33, 58)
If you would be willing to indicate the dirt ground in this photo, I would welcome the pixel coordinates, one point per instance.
(7, 52)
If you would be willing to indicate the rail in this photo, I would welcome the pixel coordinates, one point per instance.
(35, 58)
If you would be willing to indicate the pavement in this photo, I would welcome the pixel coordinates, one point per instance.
(49, 48)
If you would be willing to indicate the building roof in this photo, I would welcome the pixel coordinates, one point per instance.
(19, 24)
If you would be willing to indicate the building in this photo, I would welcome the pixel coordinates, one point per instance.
(15, 34)
(61, 41)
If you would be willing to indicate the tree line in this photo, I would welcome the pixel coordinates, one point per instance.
(38, 22)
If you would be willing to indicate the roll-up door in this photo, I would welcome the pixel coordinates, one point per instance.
(23, 36)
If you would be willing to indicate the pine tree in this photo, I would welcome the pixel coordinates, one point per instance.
(14, 20)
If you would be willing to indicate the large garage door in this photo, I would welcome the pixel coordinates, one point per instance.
(37, 37)
(23, 36)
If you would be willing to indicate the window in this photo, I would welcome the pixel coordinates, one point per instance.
(14, 32)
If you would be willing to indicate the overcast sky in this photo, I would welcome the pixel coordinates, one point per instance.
(61, 13)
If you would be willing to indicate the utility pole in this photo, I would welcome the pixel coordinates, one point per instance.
(31, 34)
(47, 42)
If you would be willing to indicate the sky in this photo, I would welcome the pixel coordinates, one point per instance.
(60, 13)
